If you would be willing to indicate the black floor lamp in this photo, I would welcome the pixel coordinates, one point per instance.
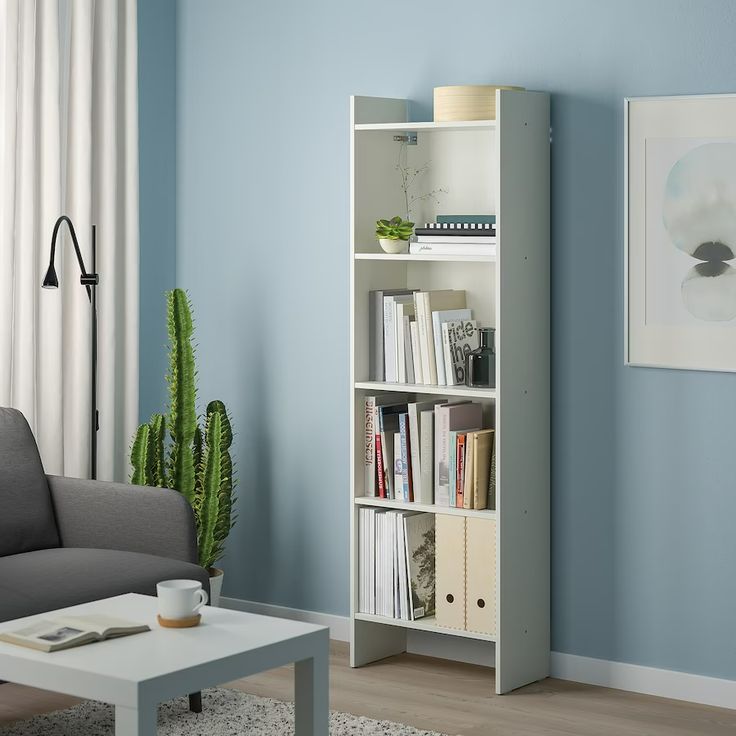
(90, 282)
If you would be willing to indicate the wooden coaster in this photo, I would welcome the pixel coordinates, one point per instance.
(180, 623)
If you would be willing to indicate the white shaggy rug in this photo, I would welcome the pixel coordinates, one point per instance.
(225, 713)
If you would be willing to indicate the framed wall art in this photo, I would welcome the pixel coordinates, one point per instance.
(680, 232)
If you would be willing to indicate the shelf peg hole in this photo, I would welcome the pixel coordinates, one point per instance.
(450, 598)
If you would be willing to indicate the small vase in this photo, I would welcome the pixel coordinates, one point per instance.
(391, 245)
(480, 364)
(216, 576)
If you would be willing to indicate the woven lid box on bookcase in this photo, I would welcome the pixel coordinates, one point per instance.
(466, 102)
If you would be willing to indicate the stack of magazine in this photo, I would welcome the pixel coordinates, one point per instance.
(397, 564)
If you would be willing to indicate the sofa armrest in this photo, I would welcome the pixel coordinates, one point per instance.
(104, 515)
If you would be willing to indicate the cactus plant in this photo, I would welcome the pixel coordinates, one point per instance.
(195, 461)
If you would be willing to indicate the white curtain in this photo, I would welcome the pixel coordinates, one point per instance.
(69, 145)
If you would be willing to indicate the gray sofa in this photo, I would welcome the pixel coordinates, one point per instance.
(65, 541)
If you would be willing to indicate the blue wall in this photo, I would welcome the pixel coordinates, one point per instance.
(157, 160)
(644, 501)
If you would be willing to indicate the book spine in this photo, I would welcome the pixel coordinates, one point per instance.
(460, 464)
(441, 458)
(419, 310)
(398, 469)
(381, 468)
(410, 375)
(405, 457)
(471, 443)
(426, 433)
(416, 354)
(389, 340)
(447, 355)
(451, 468)
(400, 353)
(438, 354)
(375, 336)
(369, 485)
(414, 451)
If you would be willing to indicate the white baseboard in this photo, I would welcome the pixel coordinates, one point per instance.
(647, 680)
(339, 625)
(604, 673)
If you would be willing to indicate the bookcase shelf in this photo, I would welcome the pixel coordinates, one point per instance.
(424, 507)
(496, 167)
(423, 624)
(421, 388)
(403, 257)
(408, 125)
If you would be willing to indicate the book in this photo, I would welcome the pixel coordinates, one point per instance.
(388, 425)
(370, 484)
(398, 492)
(491, 502)
(404, 311)
(474, 241)
(449, 418)
(463, 219)
(408, 354)
(438, 319)
(468, 499)
(376, 368)
(426, 454)
(458, 339)
(419, 538)
(464, 228)
(427, 302)
(460, 470)
(407, 481)
(482, 443)
(421, 247)
(390, 344)
(65, 632)
(415, 354)
(451, 467)
(414, 411)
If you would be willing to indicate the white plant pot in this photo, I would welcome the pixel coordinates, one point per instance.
(216, 576)
(394, 246)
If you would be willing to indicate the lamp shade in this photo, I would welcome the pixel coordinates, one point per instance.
(51, 281)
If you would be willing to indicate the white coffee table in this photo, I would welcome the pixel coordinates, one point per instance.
(136, 673)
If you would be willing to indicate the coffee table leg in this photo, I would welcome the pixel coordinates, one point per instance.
(135, 721)
(195, 702)
(312, 695)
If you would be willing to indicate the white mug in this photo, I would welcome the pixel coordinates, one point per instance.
(180, 598)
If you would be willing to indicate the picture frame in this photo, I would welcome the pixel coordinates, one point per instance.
(680, 232)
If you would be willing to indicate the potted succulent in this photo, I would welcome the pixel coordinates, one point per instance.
(394, 234)
(195, 458)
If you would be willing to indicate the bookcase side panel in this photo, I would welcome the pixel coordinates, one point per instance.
(523, 451)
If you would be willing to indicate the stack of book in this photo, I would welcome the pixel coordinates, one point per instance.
(420, 337)
(430, 452)
(456, 235)
(397, 564)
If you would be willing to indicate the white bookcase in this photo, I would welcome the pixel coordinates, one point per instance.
(502, 167)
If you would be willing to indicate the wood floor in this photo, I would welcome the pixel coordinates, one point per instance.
(456, 698)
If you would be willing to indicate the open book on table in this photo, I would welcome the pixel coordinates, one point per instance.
(66, 632)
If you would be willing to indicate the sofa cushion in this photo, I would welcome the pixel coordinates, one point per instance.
(40, 581)
(27, 519)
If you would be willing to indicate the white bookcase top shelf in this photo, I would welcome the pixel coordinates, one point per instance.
(456, 125)
(423, 257)
(423, 624)
(424, 507)
(420, 388)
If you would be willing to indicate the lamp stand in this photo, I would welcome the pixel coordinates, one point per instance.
(90, 280)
